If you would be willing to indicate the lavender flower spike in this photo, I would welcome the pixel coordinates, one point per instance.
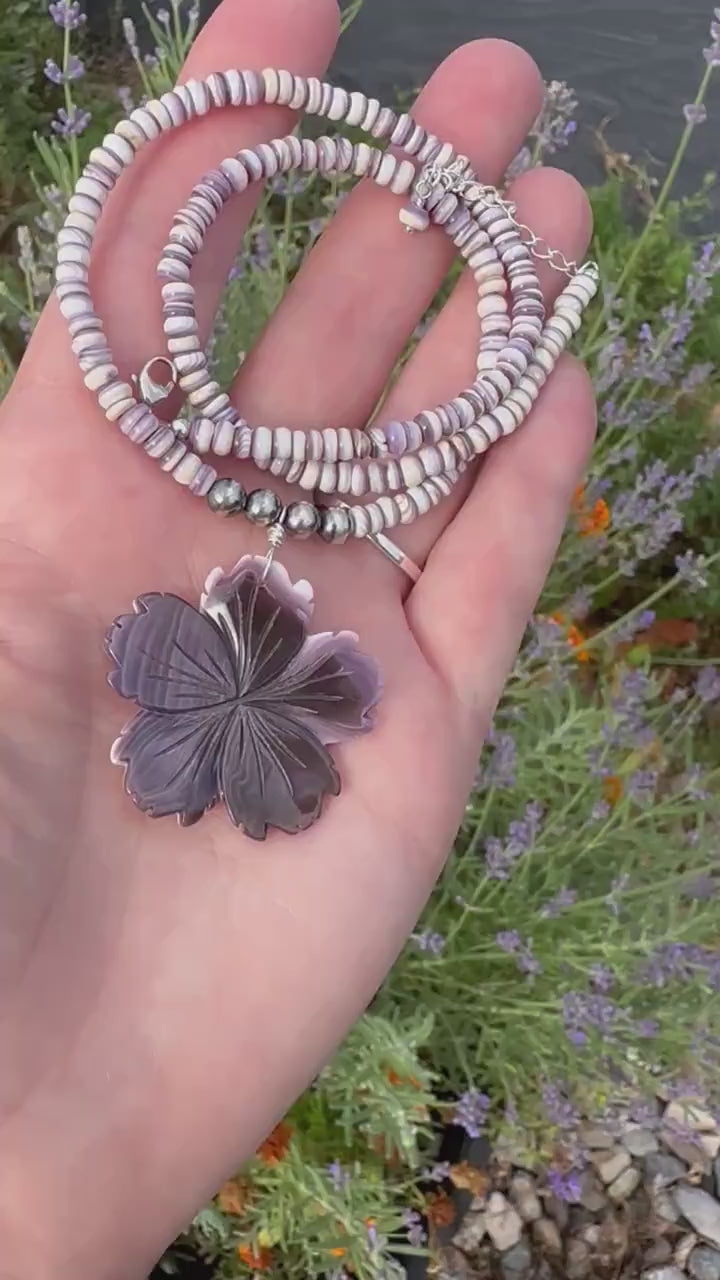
(237, 701)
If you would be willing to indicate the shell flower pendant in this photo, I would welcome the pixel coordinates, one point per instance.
(238, 701)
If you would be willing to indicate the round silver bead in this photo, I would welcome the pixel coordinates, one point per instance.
(263, 506)
(335, 524)
(226, 496)
(302, 519)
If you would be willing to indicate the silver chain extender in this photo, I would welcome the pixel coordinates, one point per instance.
(458, 179)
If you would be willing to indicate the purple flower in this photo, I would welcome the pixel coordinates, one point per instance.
(70, 124)
(554, 126)
(338, 1176)
(563, 899)
(691, 568)
(413, 1223)
(642, 785)
(75, 69)
(600, 811)
(707, 685)
(602, 977)
(631, 626)
(238, 702)
(682, 962)
(509, 941)
(559, 1110)
(501, 855)
(429, 941)
(586, 1012)
(500, 769)
(439, 1172)
(261, 251)
(695, 113)
(712, 55)
(647, 1028)
(67, 14)
(471, 1112)
(565, 1185)
(125, 98)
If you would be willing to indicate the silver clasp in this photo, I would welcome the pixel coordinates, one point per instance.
(153, 392)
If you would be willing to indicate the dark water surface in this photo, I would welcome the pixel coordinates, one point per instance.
(636, 61)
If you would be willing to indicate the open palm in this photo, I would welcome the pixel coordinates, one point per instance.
(165, 993)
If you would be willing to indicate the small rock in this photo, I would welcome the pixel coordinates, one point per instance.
(592, 1196)
(664, 1205)
(701, 1210)
(704, 1263)
(517, 1262)
(710, 1143)
(577, 1258)
(640, 1142)
(591, 1235)
(660, 1251)
(610, 1164)
(662, 1170)
(453, 1265)
(503, 1223)
(684, 1248)
(691, 1116)
(558, 1211)
(546, 1235)
(525, 1198)
(471, 1233)
(624, 1186)
(663, 1273)
(688, 1149)
(596, 1139)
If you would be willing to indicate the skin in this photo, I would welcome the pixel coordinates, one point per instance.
(165, 993)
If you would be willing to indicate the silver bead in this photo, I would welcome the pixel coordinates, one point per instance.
(226, 496)
(335, 524)
(302, 519)
(263, 506)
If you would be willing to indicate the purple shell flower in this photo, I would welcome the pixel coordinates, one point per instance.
(238, 702)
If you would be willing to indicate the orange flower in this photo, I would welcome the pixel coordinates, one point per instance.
(275, 1146)
(338, 1253)
(575, 639)
(254, 1257)
(439, 1210)
(578, 502)
(612, 788)
(595, 521)
(395, 1079)
(233, 1196)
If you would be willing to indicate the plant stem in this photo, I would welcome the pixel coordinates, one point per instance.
(69, 107)
(662, 591)
(655, 213)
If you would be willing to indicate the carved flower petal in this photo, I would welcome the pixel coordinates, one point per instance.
(170, 657)
(172, 760)
(274, 773)
(331, 686)
(221, 586)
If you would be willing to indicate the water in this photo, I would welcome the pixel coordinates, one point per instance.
(636, 63)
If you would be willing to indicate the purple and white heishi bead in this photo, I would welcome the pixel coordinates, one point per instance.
(405, 466)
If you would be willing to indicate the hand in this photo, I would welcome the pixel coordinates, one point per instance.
(166, 993)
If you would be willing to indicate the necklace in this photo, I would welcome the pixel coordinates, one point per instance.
(238, 701)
